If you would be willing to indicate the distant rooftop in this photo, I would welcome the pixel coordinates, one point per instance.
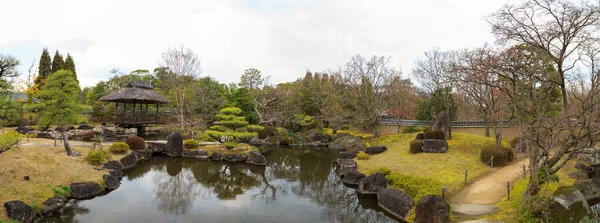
(136, 91)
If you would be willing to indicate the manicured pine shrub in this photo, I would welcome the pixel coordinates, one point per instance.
(502, 155)
(202, 136)
(219, 128)
(434, 134)
(416, 146)
(136, 143)
(362, 156)
(254, 128)
(119, 148)
(190, 144)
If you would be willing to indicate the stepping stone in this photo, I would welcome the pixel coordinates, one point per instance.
(473, 209)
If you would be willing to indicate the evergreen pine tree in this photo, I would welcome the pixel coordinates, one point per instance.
(57, 62)
(70, 65)
(45, 67)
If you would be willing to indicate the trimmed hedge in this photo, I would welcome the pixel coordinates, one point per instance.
(502, 155)
(191, 144)
(435, 134)
(411, 129)
(119, 148)
(416, 146)
(136, 143)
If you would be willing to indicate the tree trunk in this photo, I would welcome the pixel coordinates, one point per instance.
(486, 122)
(399, 126)
(66, 142)
(500, 132)
(533, 188)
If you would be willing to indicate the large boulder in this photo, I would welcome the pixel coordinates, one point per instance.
(590, 155)
(346, 164)
(128, 161)
(590, 188)
(215, 156)
(19, 211)
(85, 190)
(347, 155)
(375, 150)
(174, 145)
(395, 202)
(111, 182)
(316, 136)
(372, 184)
(157, 146)
(22, 129)
(441, 123)
(53, 204)
(85, 127)
(569, 205)
(235, 157)
(352, 177)
(579, 175)
(113, 165)
(435, 146)
(347, 143)
(116, 174)
(198, 154)
(432, 209)
(256, 158)
(271, 140)
(143, 154)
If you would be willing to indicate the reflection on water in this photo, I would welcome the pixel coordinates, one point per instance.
(293, 187)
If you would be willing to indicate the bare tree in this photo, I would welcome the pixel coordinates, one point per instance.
(477, 83)
(367, 83)
(402, 100)
(558, 27)
(184, 67)
(435, 71)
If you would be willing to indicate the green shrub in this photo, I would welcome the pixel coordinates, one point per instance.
(386, 171)
(234, 124)
(242, 129)
(362, 156)
(518, 145)
(135, 142)
(231, 111)
(415, 186)
(254, 128)
(514, 142)
(230, 145)
(411, 129)
(190, 144)
(267, 131)
(426, 129)
(219, 128)
(119, 148)
(244, 136)
(502, 155)
(96, 157)
(9, 139)
(416, 146)
(435, 134)
(201, 136)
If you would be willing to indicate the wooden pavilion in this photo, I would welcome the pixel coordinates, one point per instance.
(135, 104)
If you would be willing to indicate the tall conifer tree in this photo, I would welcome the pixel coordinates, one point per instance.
(45, 67)
(57, 62)
(70, 65)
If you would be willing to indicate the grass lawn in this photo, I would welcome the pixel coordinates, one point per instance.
(508, 209)
(425, 173)
(47, 167)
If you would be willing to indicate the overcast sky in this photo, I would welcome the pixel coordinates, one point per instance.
(282, 38)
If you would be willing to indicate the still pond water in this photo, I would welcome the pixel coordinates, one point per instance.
(295, 186)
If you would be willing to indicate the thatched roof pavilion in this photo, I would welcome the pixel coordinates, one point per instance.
(132, 104)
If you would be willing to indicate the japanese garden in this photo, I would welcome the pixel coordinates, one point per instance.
(505, 132)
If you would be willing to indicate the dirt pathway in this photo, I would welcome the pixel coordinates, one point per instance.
(490, 189)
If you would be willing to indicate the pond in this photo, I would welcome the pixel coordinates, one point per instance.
(297, 185)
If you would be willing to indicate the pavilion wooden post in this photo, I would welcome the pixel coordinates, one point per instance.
(156, 113)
